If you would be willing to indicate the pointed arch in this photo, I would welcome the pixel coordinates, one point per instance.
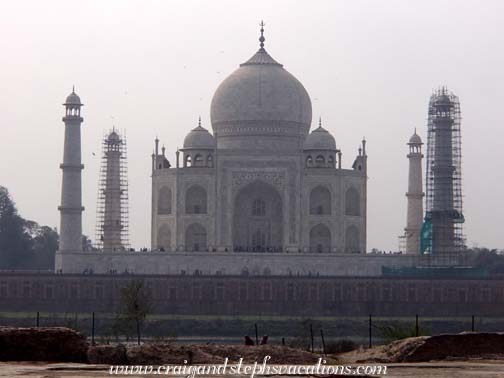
(320, 239)
(320, 161)
(187, 161)
(196, 200)
(198, 161)
(320, 201)
(352, 239)
(196, 238)
(165, 200)
(164, 237)
(352, 202)
(209, 160)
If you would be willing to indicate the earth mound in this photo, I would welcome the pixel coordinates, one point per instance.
(42, 344)
(464, 345)
(168, 353)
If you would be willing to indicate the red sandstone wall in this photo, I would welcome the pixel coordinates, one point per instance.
(302, 296)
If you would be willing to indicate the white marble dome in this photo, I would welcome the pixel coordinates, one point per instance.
(320, 139)
(73, 99)
(199, 138)
(260, 97)
(415, 139)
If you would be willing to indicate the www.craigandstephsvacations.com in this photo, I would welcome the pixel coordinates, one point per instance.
(249, 370)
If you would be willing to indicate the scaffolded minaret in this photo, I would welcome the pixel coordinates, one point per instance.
(414, 195)
(112, 207)
(71, 188)
(442, 228)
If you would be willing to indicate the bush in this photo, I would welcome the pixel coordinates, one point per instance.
(340, 346)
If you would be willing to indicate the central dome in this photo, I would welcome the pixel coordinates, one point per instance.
(261, 105)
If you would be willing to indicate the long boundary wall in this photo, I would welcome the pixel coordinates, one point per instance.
(258, 295)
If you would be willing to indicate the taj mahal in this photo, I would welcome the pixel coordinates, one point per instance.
(264, 193)
(262, 182)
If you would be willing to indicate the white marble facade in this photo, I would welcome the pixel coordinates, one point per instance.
(262, 182)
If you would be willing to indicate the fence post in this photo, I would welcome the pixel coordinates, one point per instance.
(92, 329)
(38, 319)
(257, 334)
(370, 334)
(472, 323)
(323, 341)
(416, 325)
(311, 336)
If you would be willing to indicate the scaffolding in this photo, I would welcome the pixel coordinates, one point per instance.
(442, 228)
(112, 208)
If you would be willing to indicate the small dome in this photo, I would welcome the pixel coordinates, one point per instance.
(320, 139)
(415, 139)
(199, 138)
(73, 99)
(443, 99)
(113, 137)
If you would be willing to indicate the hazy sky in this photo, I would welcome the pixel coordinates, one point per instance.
(151, 68)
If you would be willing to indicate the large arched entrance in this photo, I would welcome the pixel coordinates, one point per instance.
(258, 219)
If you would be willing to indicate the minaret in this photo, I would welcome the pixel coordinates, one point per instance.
(415, 196)
(71, 188)
(112, 205)
(112, 224)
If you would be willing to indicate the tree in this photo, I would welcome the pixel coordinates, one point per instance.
(45, 245)
(490, 260)
(15, 242)
(135, 305)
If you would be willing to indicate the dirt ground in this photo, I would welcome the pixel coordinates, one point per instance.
(447, 369)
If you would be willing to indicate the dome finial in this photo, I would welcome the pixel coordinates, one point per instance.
(199, 121)
(73, 89)
(261, 38)
(320, 122)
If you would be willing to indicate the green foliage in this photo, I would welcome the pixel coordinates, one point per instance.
(23, 243)
(340, 346)
(393, 332)
(135, 304)
(15, 242)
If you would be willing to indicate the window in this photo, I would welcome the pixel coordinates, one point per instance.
(320, 161)
(198, 161)
(258, 208)
(188, 161)
(309, 161)
(330, 161)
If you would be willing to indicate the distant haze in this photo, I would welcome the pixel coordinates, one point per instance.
(151, 68)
